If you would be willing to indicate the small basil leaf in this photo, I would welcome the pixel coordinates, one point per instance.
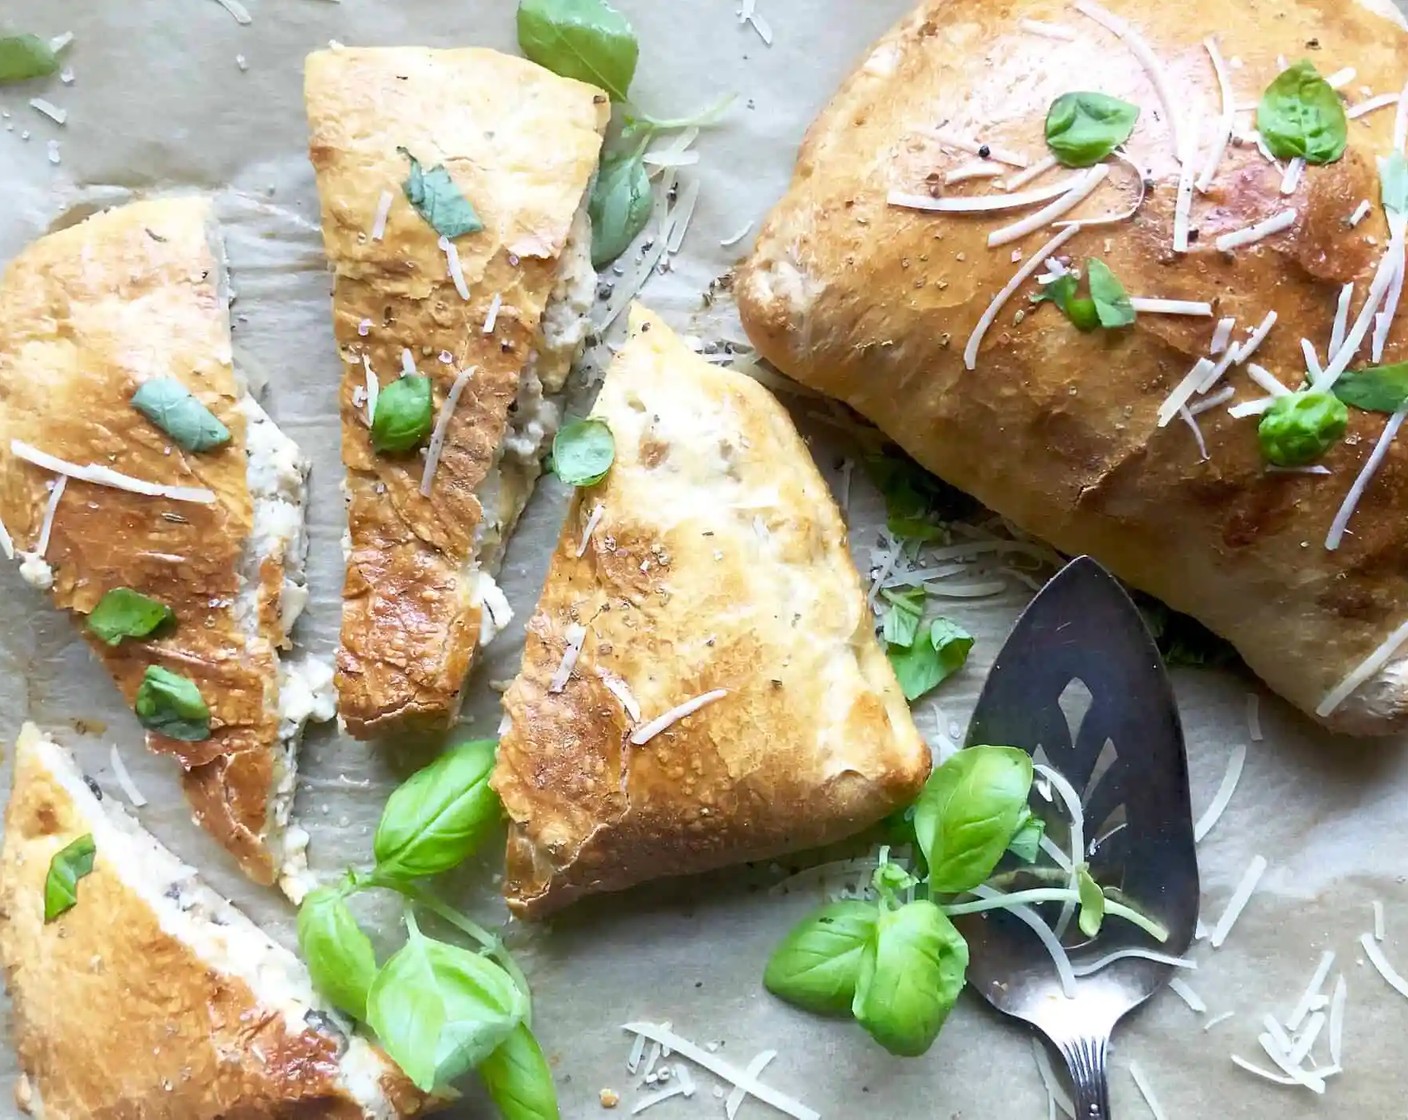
(1393, 180)
(1092, 902)
(171, 407)
(339, 955)
(1082, 128)
(911, 972)
(26, 56)
(405, 1008)
(968, 813)
(1112, 304)
(584, 39)
(124, 613)
(519, 1078)
(952, 643)
(1080, 310)
(404, 416)
(1026, 841)
(1301, 115)
(917, 668)
(901, 625)
(1375, 389)
(619, 206)
(583, 451)
(69, 865)
(172, 705)
(817, 964)
(1300, 428)
(438, 200)
(438, 816)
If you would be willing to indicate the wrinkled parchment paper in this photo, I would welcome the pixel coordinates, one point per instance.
(159, 102)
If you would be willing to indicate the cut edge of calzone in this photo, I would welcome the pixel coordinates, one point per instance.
(453, 186)
(97, 496)
(701, 682)
(152, 995)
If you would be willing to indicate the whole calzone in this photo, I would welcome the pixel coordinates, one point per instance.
(701, 683)
(1248, 275)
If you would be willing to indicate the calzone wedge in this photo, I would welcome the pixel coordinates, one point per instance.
(1237, 267)
(453, 187)
(146, 490)
(701, 683)
(137, 991)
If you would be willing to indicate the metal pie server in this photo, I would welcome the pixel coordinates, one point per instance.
(1081, 685)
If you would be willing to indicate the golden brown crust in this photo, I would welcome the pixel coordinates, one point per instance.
(719, 562)
(1056, 429)
(114, 1015)
(522, 145)
(86, 315)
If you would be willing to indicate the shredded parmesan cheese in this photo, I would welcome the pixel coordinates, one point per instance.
(729, 242)
(1254, 717)
(592, 522)
(643, 735)
(46, 528)
(1188, 995)
(576, 635)
(1146, 1091)
(1400, 122)
(1067, 202)
(1238, 902)
(1185, 390)
(1337, 332)
(1250, 235)
(100, 475)
(491, 320)
(1222, 335)
(619, 689)
(452, 260)
(1383, 280)
(717, 1066)
(755, 1068)
(1337, 1002)
(975, 169)
(1312, 359)
(970, 352)
(977, 203)
(1227, 122)
(1341, 78)
(1382, 966)
(49, 109)
(682, 215)
(1264, 379)
(1048, 30)
(7, 542)
(1132, 954)
(1187, 417)
(1383, 101)
(1312, 989)
(1383, 321)
(1361, 484)
(373, 389)
(236, 9)
(1221, 397)
(1183, 207)
(124, 779)
(1149, 306)
(442, 426)
(973, 147)
(1378, 909)
(1290, 181)
(383, 211)
(1360, 213)
(1049, 940)
(1218, 1019)
(1036, 170)
(1223, 797)
(1158, 75)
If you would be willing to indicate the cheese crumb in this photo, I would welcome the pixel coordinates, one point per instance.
(609, 1098)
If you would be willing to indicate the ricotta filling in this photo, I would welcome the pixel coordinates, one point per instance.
(218, 933)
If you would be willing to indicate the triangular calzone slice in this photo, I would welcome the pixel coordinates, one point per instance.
(97, 497)
(707, 574)
(494, 316)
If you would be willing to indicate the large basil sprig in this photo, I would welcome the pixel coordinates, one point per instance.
(439, 816)
(968, 813)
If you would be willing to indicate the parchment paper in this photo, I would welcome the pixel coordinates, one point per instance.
(160, 103)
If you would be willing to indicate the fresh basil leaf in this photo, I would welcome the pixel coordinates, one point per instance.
(124, 613)
(911, 971)
(1082, 128)
(26, 56)
(339, 955)
(405, 1008)
(519, 1078)
(437, 817)
(1375, 389)
(438, 200)
(952, 643)
(1080, 310)
(1301, 115)
(916, 503)
(583, 451)
(69, 865)
(620, 206)
(923, 666)
(1300, 428)
(901, 625)
(584, 39)
(890, 880)
(404, 416)
(817, 964)
(1026, 841)
(171, 407)
(1112, 304)
(172, 705)
(968, 813)
(1393, 181)
(1092, 902)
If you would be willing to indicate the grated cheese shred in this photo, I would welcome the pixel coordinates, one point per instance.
(1035, 171)
(970, 352)
(124, 778)
(1361, 484)
(1223, 797)
(1382, 966)
(592, 522)
(1158, 74)
(383, 212)
(1238, 902)
(1184, 992)
(1185, 390)
(46, 528)
(1063, 205)
(1151, 306)
(1146, 1091)
(1382, 101)
(99, 475)
(452, 261)
(1221, 335)
(442, 427)
(1250, 235)
(576, 635)
(755, 1068)
(1227, 121)
(491, 320)
(976, 169)
(1047, 30)
(981, 203)
(643, 735)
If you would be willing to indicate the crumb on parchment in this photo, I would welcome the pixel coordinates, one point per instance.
(609, 1098)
